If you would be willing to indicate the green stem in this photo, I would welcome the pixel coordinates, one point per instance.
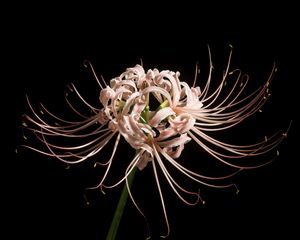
(120, 208)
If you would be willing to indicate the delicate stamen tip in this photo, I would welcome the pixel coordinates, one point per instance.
(86, 200)
(284, 134)
(86, 62)
(101, 189)
(67, 167)
(236, 189)
(277, 152)
(266, 138)
(165, 236)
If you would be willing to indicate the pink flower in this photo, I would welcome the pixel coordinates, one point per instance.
(184, 113)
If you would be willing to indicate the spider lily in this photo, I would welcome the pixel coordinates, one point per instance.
(182, 113)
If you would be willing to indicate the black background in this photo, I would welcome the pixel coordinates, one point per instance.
(45, 51)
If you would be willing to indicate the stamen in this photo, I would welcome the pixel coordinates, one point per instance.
(237, 190)
(200, 198)
(101, 189)
(86, 200)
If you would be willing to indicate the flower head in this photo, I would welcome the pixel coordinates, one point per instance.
(158, 114)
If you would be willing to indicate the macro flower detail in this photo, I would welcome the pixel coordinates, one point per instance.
(158, 114)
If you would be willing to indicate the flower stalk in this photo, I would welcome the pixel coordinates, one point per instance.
(112, 233)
